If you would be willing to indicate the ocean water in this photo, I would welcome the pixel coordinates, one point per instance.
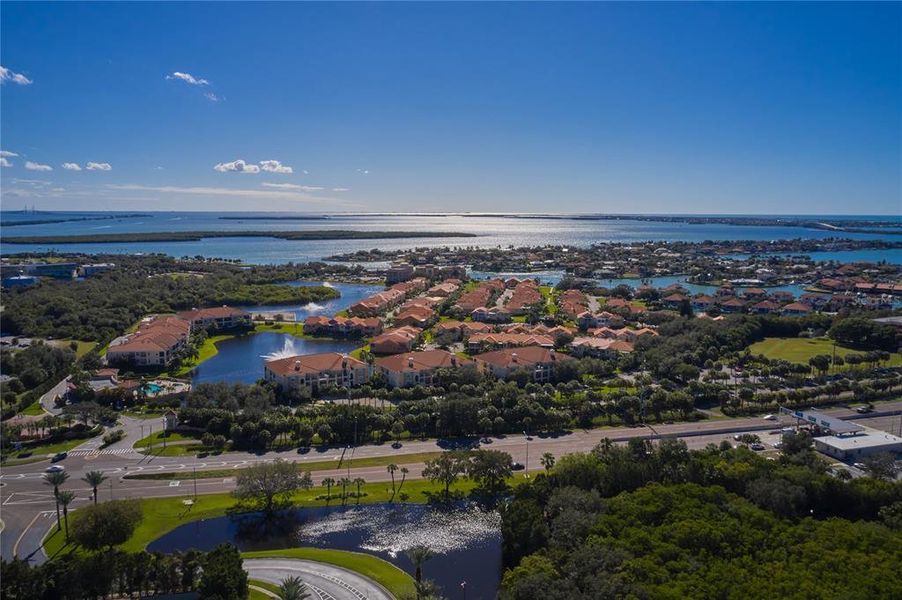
(490, 232)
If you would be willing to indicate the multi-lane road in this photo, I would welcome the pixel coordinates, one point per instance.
(26, 503)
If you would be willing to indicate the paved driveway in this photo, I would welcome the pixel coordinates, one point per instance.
(325, 582)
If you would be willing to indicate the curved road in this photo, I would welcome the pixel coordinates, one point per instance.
(324, 581)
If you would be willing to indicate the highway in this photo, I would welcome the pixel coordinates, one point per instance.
(25, 499)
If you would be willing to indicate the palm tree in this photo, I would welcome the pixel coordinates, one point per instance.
(418, 555)
(328, 482)
(359, 481)
(56, 479)
(65, 498)
(404, 472)
(391, 471)
(344, 482)
(547, 461)
(94, 479)
(293, 588)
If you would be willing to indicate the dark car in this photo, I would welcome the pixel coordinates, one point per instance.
(515, 466)
(59, 456)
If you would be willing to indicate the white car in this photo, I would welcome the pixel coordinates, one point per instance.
(770, 417)
(54, 469)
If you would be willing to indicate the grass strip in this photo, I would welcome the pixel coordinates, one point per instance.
(323, 465)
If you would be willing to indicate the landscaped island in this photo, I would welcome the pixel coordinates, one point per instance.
(193, 236)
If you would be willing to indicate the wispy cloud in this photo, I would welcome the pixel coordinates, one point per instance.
(95, 166)
(220, 191)
(187, 78)
(194, 81)
(71, 166)
(363, 171)
(33, 166)
(7, 75)
(237, 166)
(275, 166)
(7, 154)
(4, 162)
(341, 189)
(294, 186)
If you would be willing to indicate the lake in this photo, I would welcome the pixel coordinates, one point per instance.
(240, 359)
(466, 540)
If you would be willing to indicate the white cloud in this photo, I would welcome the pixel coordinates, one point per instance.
(95, 166)
(341, 189)
(71, 166)
(363, 171)
(7, 75)
(188, 78)
(4, 162)
(58, 189)
(274, 166)
(294, 186)
(33, 166)
(7, 154)
(211, 97)
(237, 166)
(218, 191)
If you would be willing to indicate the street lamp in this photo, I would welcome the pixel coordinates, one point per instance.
(526, 466)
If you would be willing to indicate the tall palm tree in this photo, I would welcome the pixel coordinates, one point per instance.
(344, 482)
(359, 481)
(404, 472)
(328, 482)
(64, 499)
(293, 588)
(56, 479)
(418, 555)
(391, 471)
(94, 479)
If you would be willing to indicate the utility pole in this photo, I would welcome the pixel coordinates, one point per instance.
(195, 484)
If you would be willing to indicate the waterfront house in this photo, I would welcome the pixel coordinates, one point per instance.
(796, 309)
(216, 318)
(315, 371)
(155, 343)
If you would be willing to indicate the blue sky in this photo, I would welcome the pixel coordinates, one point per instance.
(679, 108)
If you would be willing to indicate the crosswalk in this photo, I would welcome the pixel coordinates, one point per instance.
(96, 452)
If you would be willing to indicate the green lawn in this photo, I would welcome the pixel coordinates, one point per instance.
(157, 439)
(322, 465)
(396, 581)
(42, 450)
(34, 409)
(799, 350)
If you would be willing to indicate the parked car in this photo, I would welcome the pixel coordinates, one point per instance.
(757, 446)
(54, 469)
(59, 456)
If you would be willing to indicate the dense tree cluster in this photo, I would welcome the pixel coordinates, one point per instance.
(32, 370)
(104, 305)
(669, 523)
(217, 575)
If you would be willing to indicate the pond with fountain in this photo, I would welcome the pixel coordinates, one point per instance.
(240, 359)
(465, 539)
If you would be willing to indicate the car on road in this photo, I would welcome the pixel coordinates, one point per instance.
(54, 469)
(59, 456)
(861, 466)
(863, 410)
(757, 446)
(515, 466)
(486, 440)
(770, 417)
